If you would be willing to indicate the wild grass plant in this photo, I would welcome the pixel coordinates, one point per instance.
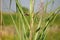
(25, 29)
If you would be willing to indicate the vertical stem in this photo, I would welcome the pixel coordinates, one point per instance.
(1, 12)
(16, 6)
(41, 7)
(31, 16)
(1, 16)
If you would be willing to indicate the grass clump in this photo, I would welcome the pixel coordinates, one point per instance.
(25, 25)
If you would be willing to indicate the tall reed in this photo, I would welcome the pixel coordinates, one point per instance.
(27, 31)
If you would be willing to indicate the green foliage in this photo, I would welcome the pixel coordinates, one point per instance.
(25, 24)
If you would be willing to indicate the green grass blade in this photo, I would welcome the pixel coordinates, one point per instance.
(15, 27)
(21, 10)
(31, 18)
(23, 27)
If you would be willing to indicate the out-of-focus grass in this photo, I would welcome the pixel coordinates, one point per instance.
(50, 35)
(57, 20)
(7, 19)
(7, 38)
(0, 18)
(15, 37)
(53, 34)
(24, 25)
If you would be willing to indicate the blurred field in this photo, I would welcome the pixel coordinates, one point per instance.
(8, 31)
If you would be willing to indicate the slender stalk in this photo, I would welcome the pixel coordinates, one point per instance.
(21, 10)
(15, 26)
(41, 7)
(31, 16)
(38, 27)
(23, 31)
